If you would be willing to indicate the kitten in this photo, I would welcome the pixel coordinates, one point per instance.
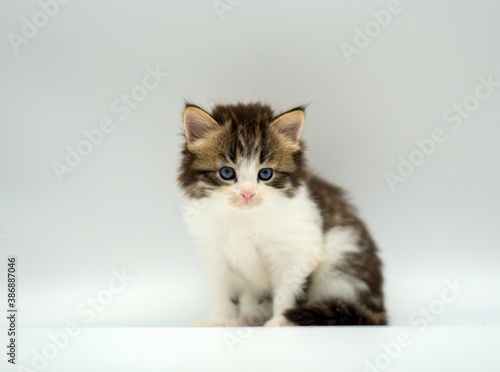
(282, 246)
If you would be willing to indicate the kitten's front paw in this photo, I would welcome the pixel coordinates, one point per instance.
(215, 323)
(279, 321)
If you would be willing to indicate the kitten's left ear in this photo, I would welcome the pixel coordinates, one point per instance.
(197, 123)
(290, 123)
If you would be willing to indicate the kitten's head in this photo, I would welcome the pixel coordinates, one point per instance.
(243, 152)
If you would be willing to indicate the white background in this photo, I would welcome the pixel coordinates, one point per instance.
(120, 208)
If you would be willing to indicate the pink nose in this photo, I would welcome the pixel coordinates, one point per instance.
(247, 195)
(247, 190)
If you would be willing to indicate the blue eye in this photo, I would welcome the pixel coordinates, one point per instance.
(227, 173)
(265, 174)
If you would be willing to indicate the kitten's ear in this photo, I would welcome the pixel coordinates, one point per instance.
(290, 123)
(197, 123)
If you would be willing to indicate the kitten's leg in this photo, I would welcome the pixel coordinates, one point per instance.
(283, 300)
(288, 277)
(222, 292)
(255, 310)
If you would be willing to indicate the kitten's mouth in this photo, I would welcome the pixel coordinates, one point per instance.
(246, 203)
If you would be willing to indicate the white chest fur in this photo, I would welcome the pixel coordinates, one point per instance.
(282, 232)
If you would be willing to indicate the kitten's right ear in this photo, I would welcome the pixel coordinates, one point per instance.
(197, 123)
(290, 123)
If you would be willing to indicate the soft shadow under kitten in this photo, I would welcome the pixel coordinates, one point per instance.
(281, 246)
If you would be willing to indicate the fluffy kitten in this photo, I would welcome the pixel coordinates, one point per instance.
(281, 246)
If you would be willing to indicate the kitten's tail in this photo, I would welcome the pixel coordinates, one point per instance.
(335, 312)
